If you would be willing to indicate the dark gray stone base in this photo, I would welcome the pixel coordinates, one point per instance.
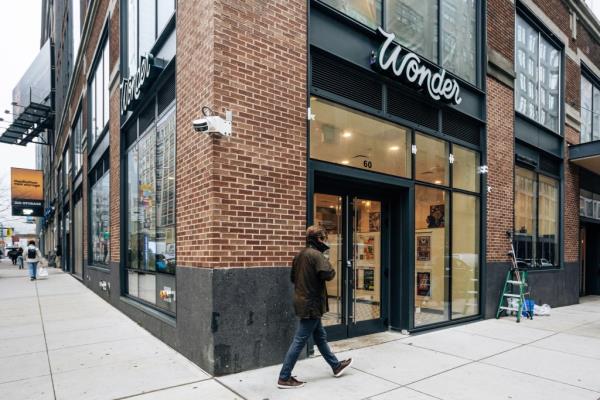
(556, 287)
(228, 320)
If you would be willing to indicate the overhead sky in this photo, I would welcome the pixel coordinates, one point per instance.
(20, 26)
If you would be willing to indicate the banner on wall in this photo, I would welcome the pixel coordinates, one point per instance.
(27, 192)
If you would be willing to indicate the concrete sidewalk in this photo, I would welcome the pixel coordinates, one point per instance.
(58, 340)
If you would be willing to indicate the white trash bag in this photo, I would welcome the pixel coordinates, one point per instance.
(544, 309)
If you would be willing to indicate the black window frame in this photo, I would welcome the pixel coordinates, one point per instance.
(529, 17)
(539, 172)
(102, 43)
(594, 80)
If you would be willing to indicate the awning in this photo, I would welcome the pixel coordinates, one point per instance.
(586, 155)
(28, 126)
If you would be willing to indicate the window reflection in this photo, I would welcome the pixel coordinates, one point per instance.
(431, 161)
(100, 214)
(465, 169)
(465, 255)
(367, 12)
(415, 24)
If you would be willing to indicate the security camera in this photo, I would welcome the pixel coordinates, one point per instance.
(213, 124)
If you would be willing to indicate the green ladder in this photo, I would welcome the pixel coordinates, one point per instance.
(515, 287)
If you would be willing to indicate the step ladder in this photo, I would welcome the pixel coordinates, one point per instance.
(515, 287)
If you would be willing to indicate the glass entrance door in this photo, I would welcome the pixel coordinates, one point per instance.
(357, 241)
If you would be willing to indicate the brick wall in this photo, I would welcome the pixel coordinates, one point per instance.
(573, 84)
(241, 201)
(588, 45)
(500, 175)
(571, 206)
(501, 27)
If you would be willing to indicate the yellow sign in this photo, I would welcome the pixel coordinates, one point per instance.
(9, 232)
(27, 192)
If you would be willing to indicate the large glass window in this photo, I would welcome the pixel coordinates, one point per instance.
(590, 111)
(465, 174)
(146, 19)
(344, 136)
(589, 204)
(538, 76)
(431, 161)
(432, 221)
(416, 25)
(537, 208)
(78, 239)
(151, 212)
(99, 109)
(100, 220)
(465, 255)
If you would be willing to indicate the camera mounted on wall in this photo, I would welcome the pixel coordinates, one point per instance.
(214, 125)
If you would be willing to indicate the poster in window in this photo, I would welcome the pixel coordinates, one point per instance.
(436, 216)
(369, 279)
(368, 249)
(424, 283)
(374, 222)
(424, 248)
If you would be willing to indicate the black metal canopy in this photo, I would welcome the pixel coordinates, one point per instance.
(28, 126)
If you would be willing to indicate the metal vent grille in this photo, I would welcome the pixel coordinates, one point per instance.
(461, 127)
(412, 110)
(166, 95)
(550, 165)
(146, 117)
(338, 78)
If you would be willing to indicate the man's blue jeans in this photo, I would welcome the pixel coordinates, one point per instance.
(32, 269)
(307, 327)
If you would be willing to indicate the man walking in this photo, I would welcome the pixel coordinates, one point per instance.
(33, 258)
(310, 270)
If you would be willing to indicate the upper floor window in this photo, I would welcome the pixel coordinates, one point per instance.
(75, 27)
(450, 42)
(99, 108)
(146, 19)
(590, 111)
(77, 145)
(537, 67)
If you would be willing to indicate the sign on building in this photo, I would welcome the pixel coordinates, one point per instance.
(27, 192)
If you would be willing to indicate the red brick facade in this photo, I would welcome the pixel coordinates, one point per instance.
(241, 201)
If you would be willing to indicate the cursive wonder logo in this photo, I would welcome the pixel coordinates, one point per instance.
(409, 67)
(131, 88)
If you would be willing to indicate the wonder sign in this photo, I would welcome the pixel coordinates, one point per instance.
(409, 68)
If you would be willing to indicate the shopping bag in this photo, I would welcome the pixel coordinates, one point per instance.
(42, 273)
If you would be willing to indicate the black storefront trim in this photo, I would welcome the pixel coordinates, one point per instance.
(148, 308)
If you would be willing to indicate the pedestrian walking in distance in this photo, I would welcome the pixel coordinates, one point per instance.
(310, 271)
(20, 257)
(33, 258)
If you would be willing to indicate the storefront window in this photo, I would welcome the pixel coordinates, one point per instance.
(151, 212)
(367, 12)
(415, 24)
(431, 161)
(100, 218)
(465, 169)
(344, 136)
(432, 221)
(590, 111)
(538, 76)
(465, 255)
(99, 96)
(537, 208)
(75, 27)
(78, 239)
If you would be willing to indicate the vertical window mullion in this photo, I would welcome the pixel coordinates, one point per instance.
(539, 103)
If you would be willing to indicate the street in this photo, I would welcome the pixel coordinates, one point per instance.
(57, 338)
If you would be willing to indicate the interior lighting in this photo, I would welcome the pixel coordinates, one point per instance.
(347, 134)
(345, 162)
(394, 148)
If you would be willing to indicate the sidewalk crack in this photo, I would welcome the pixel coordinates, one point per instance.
(37, 295)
